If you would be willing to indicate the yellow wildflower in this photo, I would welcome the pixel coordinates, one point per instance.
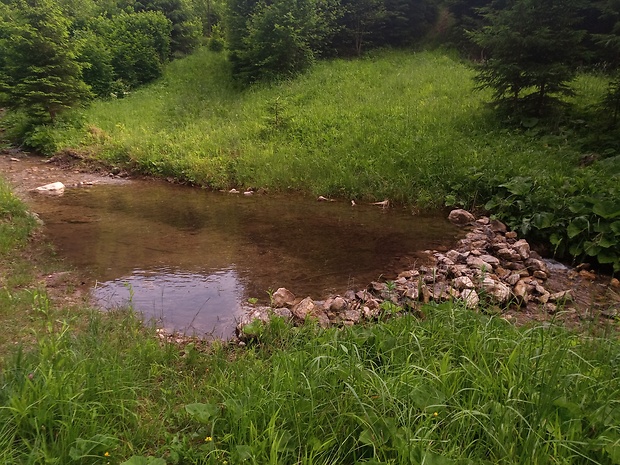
(208, 439)
(107, 454)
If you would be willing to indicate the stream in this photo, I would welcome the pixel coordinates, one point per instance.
(190, 258)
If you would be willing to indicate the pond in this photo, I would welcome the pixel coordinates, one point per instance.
(190, 258)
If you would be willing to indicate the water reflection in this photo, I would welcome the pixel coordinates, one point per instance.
(190, 256)
(177, 300)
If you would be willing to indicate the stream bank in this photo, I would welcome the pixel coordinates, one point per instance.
(409, 282)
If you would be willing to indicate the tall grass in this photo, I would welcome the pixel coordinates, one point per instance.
(396, 124)
(457, 387)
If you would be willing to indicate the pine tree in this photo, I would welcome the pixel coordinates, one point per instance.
(533, 48)
(41, 73)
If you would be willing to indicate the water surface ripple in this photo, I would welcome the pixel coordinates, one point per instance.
(189, 258)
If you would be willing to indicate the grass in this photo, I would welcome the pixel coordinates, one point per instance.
(396, 124)
(457, 387)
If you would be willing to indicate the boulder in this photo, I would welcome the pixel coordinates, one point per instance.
(303, 308)
(463, 282)
(470, 297)
(461, 217)
(53, 188)
(282, 298)
(522, 248)
(338, 304)
(498, 291)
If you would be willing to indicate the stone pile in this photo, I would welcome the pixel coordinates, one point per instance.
(490, 265)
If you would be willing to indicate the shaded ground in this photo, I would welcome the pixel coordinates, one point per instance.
(596, 297)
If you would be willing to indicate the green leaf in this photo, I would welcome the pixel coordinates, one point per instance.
(607, 241)
(555, 239)
(607, 209)
(591, 248)
(431, 458)
(202, 412)
(543, 220)
(577, 226)
(518, 186)
(367, 437)
(615, 227)
(242, 453)
(607, 256)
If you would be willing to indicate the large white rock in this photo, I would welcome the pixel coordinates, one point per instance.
(55, 187)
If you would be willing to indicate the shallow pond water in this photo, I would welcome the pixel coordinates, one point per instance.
(190, 258)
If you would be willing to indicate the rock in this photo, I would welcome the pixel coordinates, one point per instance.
(587, 275)
(303, 308)
(370, 313)
(479, 263)
(378, 287)
(497, 226)
(283, 313)
(520, 293)
(508, 254)
(544, 297)
(409, 274)
(562, 296)
(463, 282)
(499, 292)
(455, 256)
(510, 235)
(551, 308)
(522, 248)
(461, 217)
(307, 308)
(353, 316)
(491, 260)
(512, 279)
(470, 297)
(412, 293)
(53, 188)
(540, 275)
(533, 264)
(615, 283)
(282, 297)
(338, 304)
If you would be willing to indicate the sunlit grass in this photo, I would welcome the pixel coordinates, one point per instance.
(457, 387)
(396, 124)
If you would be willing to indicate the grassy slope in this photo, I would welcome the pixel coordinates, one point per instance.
(399, 125)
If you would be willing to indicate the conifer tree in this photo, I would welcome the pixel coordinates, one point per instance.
(41, 73)
(533, 47)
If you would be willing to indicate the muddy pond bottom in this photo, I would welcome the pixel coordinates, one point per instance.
(189, 259)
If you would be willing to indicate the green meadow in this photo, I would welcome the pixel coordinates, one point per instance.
(396, 124)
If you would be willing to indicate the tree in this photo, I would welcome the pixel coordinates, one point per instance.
(186, 24)
(533, 48)
(407, 20)
(138, 45)
(41, 74)
(361, 20)
(275, 38)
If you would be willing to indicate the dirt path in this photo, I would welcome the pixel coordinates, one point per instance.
(26, 172)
